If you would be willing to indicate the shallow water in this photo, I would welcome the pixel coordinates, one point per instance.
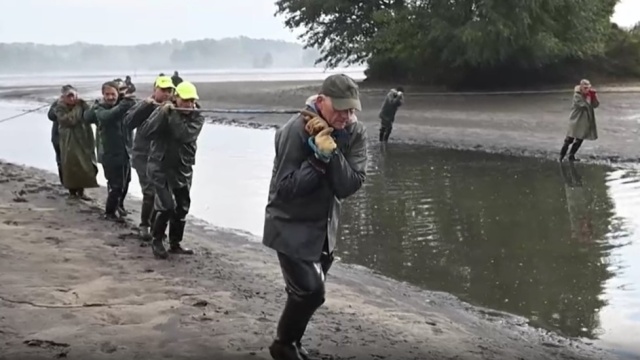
(559, 247)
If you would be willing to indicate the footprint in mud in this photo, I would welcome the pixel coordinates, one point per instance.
(53, 239)
(108, 348)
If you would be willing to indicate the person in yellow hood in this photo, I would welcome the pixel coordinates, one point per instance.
(173, 130)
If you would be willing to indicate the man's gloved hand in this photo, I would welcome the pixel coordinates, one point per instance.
(168, 106)
(323, 145)
(314, 123)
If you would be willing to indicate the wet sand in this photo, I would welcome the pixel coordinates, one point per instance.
(517, 123)
(78, 287)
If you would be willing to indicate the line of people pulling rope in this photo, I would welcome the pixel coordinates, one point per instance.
(320, 159)
(162, 152)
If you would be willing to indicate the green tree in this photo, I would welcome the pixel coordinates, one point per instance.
(454, 41)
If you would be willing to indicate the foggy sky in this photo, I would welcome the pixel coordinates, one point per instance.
(127, 22)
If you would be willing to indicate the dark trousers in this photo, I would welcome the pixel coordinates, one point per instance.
(568, 141)
(385, 131)
(146, 212)
(305, 293)
(118, 178)
(56, 148)
(171, 208)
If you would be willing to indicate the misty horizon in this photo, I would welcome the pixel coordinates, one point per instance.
(295, 42)
(157, 21)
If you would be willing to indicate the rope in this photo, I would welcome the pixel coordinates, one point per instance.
(243, 111)
(23, 113)
(220, 111)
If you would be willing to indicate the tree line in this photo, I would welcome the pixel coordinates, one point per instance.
(229, 53)
(470, 43)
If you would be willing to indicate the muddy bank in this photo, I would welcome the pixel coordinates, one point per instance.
(520, 123)
(525, 124)
(77, 287)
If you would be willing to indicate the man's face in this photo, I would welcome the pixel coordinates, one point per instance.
(337, 119)
(185, 103)
(70, 98)
(161, 95)
(110, 95)
(585, 87)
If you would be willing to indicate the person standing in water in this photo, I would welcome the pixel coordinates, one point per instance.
(131, 88)
(77, 144)
(173, 130)
(109, 114)
(393, 100)
(320, 160)
(139, 153)
(582, 121)
(177, 80)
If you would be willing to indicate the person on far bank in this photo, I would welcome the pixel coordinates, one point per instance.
(77, 144)
(130, 87)
(393, 100)
(173, 132)
(177, 80)
(139, 153)
(582, 121)
(320, 160)
(108, 113)
(55, 136)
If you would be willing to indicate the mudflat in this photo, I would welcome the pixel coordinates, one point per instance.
(518, 123)
(528, 123)
(76, 286)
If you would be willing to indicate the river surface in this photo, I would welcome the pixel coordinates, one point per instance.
(557, 245)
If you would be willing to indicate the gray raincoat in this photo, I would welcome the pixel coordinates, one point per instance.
(305, 196)
(582, 122)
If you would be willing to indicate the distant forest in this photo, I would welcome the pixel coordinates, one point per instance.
(229, 53)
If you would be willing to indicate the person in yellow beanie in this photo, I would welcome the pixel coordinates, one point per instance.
(139, 152)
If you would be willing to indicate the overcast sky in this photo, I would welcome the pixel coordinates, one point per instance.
(127, 22)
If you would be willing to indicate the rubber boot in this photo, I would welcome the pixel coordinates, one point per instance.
(82, 196)
(145, 217)
(293, 323)
(564, 149)
(176, 232)
(574, 149)
(381, 135)
(159, 229)
(386, 135)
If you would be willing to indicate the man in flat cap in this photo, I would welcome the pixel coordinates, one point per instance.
(320, 159)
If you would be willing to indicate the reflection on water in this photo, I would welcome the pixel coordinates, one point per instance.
(558, 245)
(519, 235)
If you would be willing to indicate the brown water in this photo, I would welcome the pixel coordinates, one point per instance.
(559, 246)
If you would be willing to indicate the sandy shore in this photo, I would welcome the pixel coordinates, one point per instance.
(75, 286)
